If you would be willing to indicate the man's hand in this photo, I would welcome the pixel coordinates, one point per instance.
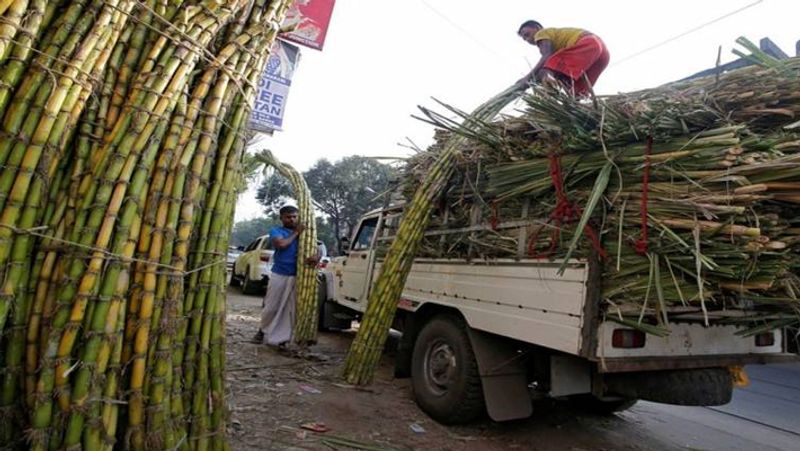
(524, 82)
(312, 261)
(299, 228)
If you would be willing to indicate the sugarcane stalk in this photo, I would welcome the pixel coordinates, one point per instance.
(12, 18)
(129, 150)
(364, 354)
(305, 327)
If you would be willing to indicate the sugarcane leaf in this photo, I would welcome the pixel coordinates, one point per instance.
(650, 277)
(756, 55)
(644, 327)
(675, 281)
(598, 190)
(766, 327)
(792, 126)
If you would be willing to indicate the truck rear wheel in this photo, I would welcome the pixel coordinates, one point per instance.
(444, 373)
(691, 387)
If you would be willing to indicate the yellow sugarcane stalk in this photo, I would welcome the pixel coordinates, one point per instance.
(305, 328)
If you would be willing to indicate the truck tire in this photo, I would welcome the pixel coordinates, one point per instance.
(693, 387)
(600, 406)
(444, 373)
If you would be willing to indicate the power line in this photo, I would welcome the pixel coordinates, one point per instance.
(687, 32)
(464, 31)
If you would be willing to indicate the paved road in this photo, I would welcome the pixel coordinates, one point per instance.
(763, 416)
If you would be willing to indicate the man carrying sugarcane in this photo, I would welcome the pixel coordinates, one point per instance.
(277, 316)
(571, 57)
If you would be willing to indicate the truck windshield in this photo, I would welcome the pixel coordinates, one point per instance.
(365, 233)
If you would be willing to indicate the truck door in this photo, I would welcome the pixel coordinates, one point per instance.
(355, 272)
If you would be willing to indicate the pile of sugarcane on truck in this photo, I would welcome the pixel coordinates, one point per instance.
(644, 246)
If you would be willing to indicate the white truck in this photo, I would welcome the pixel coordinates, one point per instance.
(492, 336)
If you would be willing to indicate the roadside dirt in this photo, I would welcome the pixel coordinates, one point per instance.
(271, 396)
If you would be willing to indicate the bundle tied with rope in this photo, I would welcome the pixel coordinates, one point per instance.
(306, 321)
(124, 125)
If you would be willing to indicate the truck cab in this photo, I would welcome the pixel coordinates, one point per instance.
(493, 335)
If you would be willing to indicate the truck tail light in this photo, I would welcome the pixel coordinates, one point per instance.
(765, 339)
(322, 265)
(265, 258)
(627, 338)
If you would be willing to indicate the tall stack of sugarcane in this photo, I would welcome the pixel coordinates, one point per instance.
(123, 126)
(689, 193)
(304, 331)
(366, 349)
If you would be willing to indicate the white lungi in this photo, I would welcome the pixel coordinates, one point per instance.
(277, 317)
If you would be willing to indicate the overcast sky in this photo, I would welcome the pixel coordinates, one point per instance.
(382, 58)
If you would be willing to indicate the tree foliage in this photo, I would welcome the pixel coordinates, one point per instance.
(244, 232)
(273, 193)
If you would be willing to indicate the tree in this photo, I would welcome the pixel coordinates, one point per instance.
(326, 235)
(342, 191)
(244, 232)
(273, 193)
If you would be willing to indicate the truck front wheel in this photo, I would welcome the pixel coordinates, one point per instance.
(444, 373)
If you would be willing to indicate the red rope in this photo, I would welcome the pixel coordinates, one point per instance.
(495, 220)
(641, 243)
(563, 213)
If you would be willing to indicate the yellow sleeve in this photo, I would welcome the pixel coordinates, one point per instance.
(544, 33)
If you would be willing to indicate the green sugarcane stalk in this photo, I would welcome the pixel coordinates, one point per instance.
(13, 72)
(12, 18)
(100, 342)
(366, 348)
(205, 296)
(30, 216)
(21, 50)
(128, 215)
(47, 97)
(161, 249)
(24, 199)
(96, 219)
(191, 330)
(305, 327)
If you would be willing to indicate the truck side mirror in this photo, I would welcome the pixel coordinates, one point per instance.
(344, 246)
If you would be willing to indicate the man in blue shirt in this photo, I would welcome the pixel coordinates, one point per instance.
(277, 317)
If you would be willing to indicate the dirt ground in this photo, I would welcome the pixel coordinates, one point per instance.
(271, 396)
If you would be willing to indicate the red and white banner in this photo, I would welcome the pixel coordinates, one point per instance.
(310, 20)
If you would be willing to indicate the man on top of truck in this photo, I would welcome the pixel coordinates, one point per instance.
(572, 57)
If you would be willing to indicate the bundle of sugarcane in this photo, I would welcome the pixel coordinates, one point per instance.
(122, 133)
(365, 352)
(305, 326)
(690, 191)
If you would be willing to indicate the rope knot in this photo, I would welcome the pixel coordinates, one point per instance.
(564, 212)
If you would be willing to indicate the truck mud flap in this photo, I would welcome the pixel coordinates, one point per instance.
(503, 376)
